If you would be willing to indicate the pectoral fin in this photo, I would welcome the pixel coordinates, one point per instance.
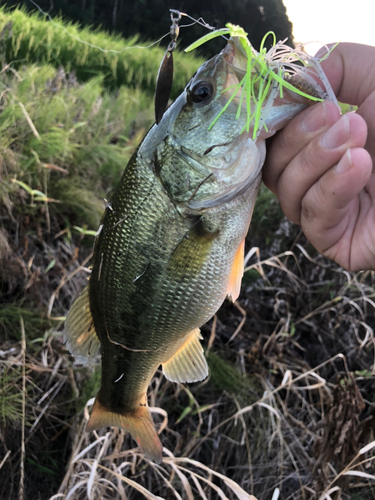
(188, 364)
(79, 334)
(139, 423)
(235, 278)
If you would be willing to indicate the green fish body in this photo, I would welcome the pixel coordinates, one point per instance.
(170, 248)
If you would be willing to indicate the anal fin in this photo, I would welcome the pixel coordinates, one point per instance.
(79, 333)
(235, 277)
(139, 423)
(188, 364)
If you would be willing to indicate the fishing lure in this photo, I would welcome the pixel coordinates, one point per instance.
(269, 73)
(165, 75)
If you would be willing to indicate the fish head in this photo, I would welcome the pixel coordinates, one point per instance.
(218, 85)
(203, 160)
(211, 89)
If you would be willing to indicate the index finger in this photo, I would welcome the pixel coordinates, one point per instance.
(350, 68)
(289, 142)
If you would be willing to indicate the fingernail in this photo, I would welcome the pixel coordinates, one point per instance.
(338, 134)
(344, 164)
(316, 119)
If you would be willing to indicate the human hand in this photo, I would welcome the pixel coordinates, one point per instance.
(321, 165)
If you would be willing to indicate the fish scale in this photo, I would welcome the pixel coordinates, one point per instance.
(170, 249)
(186, 301)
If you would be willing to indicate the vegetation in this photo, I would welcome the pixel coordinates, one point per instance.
(151, 19)
(65, 140)
(287, 411)
(31, 39)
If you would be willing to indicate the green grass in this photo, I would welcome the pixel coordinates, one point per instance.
(10, 397)
(84, 131)
(226, 377)
(267, 215)
(10, 315)
(33, 39)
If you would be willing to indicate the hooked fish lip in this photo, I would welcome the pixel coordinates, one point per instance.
(235, 56)
(233, 49)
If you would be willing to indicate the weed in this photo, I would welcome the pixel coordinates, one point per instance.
(33, 39)
(10, 398)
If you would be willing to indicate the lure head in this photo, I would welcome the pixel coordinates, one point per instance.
(235, 92)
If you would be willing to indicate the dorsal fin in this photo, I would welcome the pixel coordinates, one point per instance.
(79, 334)
(235, 278)
(188, 364)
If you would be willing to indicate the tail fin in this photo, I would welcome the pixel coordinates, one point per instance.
(139, 424)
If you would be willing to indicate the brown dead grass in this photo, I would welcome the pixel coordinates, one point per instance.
(298, 425)
(292, 418)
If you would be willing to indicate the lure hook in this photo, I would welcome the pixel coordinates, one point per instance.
(165, 75)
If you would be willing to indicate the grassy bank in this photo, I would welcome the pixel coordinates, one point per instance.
(66, 140)
(288, 406)
(32, 39)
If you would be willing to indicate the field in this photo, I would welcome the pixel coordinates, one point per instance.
(288, 409)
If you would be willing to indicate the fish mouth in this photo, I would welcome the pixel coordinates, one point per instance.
(282, 108)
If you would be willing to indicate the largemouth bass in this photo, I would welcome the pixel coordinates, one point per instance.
(170, 247)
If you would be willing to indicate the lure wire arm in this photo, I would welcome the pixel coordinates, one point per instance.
(174, 29)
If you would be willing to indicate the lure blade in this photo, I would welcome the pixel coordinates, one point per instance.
(163, 85)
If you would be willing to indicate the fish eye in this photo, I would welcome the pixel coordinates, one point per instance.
(202, 92)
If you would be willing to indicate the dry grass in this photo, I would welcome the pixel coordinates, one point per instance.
(286, 413)
(300, 424)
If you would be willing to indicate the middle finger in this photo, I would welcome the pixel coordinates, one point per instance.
(315, 159)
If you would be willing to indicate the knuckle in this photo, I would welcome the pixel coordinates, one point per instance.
(289, 206)
(287, 147)
(315, 203)
(308, 213)
(309, 159)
